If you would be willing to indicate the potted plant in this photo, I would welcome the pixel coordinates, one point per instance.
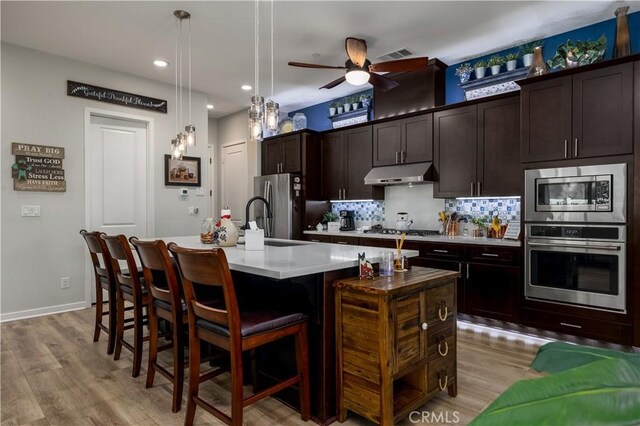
(464, 72)
(495, 62)
(340, 108)
(512, 60)
(573, 54)
(480, 223)
(331, 219)
(346, 105)
(481, 68)
(365, 100)
(355, 102)
(526, 51)
(332, 108)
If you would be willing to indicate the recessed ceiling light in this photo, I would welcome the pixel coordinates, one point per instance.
(160, 63)
(209, 106)
(246, 87)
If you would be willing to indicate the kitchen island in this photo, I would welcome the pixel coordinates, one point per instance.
(296, 276)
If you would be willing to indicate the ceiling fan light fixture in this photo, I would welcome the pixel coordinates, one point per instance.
(357, 77)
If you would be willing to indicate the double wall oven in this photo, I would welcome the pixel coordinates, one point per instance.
(575, 236)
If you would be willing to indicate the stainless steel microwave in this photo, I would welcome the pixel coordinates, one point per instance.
(577, 194)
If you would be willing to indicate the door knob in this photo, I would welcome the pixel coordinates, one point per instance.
(424, 325)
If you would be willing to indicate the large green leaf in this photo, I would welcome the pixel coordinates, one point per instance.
(605, 392)
(560, 356)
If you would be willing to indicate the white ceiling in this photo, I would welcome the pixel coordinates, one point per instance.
(129, 35)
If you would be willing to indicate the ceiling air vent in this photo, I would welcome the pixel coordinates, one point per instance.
(396, 54)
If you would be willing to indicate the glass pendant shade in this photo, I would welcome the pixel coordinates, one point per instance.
(176, 154)
(257, 104)
(190, 131)
(255, 125)
(357, 77)
(271, 115)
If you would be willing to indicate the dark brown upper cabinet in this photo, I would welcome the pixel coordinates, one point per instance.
(408, 140)
(587, 114)
(281, 154)
(476, 150)
(346, 160)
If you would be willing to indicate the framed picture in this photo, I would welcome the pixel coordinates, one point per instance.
(183, 172)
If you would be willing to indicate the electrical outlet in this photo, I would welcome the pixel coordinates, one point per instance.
(64, 282)
(191, 211)
(30, 211)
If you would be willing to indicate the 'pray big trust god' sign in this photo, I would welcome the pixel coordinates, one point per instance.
(38, 168)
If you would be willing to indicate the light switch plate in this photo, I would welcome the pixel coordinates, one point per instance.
(200, 192)
(30, 211)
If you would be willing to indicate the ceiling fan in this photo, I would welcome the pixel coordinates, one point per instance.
(359, 70)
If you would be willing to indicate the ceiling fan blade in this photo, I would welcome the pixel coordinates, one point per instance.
(412, 64)
(356, 50)
(334, 83)
(383, 83)
(303, 65)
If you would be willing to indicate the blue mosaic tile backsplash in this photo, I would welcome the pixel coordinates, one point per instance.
(506, 208)
(364, 210)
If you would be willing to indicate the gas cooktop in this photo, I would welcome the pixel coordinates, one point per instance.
(391, 231)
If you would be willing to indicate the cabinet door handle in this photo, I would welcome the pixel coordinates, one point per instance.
(566, 148)
(479, 189)
(396, 157)
(446, 379)
(403, 156)
(460, 268)
(575, 148)
(424, 325)
(472, 188)
(441, 340)
(570, 325)
(467, 271)
(446, 311)
(440, 251)
(315, 241)
(344, 193)
(490, 254)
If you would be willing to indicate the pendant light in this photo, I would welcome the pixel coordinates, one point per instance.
(272, 108)
(188, 138)
(256, 111)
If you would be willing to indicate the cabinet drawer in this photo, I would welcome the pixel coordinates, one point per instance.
(352, 241)
(494, 254)
(440, 303)
(445, 251)
(441, 373)
(441, 339)
(317, 238)
(579, 326)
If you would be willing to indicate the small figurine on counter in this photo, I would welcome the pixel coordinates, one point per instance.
(366, 268)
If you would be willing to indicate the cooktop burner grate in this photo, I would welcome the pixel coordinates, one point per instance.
(391, 231)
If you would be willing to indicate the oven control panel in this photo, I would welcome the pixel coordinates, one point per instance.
(576, 232)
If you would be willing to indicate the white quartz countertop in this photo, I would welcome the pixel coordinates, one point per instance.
(433, 238)
(304, 258)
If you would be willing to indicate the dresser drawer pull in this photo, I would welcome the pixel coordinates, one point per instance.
(490, 254)
(446, 379)
(570, 325)
(442, 340)
(440, 251)
(446, 311)
(424, 325)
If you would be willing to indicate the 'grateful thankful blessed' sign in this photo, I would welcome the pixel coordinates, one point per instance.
(87, 91)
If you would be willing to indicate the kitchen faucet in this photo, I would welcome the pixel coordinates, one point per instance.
(266, 203)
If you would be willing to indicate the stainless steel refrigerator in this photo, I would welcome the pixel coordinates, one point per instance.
(283, 191)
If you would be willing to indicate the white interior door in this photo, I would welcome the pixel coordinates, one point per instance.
(233, 180)
(117, 178)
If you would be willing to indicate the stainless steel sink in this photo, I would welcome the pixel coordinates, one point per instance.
(280, 243)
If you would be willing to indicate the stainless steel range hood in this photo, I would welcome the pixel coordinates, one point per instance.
(401, 174)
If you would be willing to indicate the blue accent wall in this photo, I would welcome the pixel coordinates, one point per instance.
(317, 114)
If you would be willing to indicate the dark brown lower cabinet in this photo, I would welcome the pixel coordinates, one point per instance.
(492, 291)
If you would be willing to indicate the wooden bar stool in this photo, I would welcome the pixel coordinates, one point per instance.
(161, 279)
(104, 280)
(129, 287)
(214, 317)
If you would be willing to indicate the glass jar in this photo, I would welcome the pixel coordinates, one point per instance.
(299, 121)
(207, 231)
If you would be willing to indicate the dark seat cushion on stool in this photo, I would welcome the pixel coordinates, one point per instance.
(255, 322)
(166, 305)
(129, 290)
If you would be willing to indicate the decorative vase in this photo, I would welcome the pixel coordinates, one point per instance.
(366, 102)
(226, 230)
(464, 77)
(299, 121)
(495, 69)
(527, 59)
(347, 107)
(332, 111)
(480, 71)
(622, 47)
(207, 231)
(340, 110)
(354, 106)
(511, 65)
(538, 66)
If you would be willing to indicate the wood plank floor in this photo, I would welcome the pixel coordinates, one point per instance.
(53, 374)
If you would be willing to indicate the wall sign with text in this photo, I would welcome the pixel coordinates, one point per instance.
(96, 93)
(38, 168)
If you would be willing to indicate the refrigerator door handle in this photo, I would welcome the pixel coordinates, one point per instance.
(265, 193)
(269, 221)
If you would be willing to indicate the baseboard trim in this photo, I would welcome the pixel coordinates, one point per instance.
(31, 313)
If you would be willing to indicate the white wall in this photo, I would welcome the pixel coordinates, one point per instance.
(36, 110)
(417, 200)
(213, 142)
